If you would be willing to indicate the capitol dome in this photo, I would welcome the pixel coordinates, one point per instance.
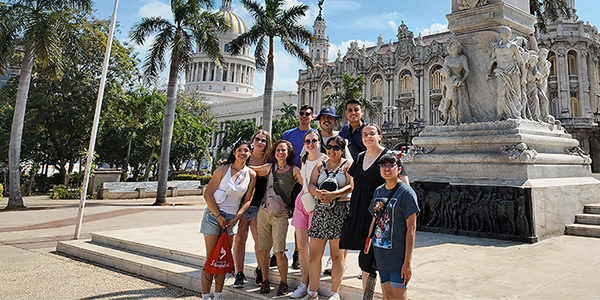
(237, 24)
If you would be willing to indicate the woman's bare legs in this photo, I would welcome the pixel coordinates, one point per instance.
(302, 244)
(317, 247)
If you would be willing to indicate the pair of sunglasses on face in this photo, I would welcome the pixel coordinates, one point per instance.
(305, 113)
(257, 139)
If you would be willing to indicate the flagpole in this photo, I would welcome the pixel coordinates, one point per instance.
(90, 155)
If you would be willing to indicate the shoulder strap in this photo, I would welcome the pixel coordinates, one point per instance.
(339, 168)
(325, 168)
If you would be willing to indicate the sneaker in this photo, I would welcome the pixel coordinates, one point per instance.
(282, 289)
(334, 296)
(257, 276)
(273, 262)
(239, 280)
(359, 275)
(295, 261)
(328, 267)
(265, 288)
(300, 291)
(309, 297)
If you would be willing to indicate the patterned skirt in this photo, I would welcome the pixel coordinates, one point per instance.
(327, 221)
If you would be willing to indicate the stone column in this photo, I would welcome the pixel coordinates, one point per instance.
(562, 77)
(584, 85)
(594, 87)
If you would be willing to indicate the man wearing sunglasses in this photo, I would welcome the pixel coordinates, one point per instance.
(327, 120)
(296, 135)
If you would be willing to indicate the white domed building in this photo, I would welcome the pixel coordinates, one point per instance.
(231, 90)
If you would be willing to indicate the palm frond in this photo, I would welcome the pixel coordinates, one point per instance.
(259, 53)
(155, 60)
(256, 10)
(294, 13)
(182, 44)
(206, 33)
(146, 27)
(10, 26)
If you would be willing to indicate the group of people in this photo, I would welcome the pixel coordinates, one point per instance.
(337, 187)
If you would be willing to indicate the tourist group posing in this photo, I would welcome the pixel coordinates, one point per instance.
(342, 187)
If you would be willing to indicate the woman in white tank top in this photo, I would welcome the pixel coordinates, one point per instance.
(223, 196)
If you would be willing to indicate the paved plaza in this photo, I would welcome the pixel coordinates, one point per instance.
(444, 266)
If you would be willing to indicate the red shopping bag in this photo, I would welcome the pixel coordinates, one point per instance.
(220, 260)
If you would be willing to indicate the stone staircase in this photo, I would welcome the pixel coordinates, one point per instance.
(587, 223)
(178, 267)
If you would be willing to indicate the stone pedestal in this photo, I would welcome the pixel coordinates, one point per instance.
(515, 179)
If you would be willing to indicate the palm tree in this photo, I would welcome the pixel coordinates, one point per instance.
(351, 88)
(37, 28)
(273, 21)
(548, 10)
(192, 24)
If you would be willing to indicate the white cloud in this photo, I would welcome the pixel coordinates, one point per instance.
(434, 28)
(393, 25)
(156, 8)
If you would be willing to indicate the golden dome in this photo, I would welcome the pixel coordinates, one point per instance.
(237, 24)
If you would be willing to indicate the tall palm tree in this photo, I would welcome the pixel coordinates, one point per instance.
(37, 28)
(352, 87)
(273, 21)
(192, 24)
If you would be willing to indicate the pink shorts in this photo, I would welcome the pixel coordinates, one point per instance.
(301, 219)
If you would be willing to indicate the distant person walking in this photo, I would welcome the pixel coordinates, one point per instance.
(261, 148)
(395, 230)
(223, 198)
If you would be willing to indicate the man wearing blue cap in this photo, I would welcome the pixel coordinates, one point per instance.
(327, 120)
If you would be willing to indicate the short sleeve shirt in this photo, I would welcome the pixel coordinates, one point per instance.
(389, 240)
(296, 137)
(355, 144)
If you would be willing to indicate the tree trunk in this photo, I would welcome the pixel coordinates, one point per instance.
(147, 171)
(126, 163)
(268, 95)
(167, 133)
(15, 199)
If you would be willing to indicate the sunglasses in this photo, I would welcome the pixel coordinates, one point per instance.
(387, 166)
(305, 113)
(334, 147)
(257, 139)
(308, 142)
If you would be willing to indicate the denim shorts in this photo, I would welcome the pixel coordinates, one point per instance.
(210, 225)
(394, 279)
(251, 212)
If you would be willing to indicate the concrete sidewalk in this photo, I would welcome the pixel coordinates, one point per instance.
(444, 266)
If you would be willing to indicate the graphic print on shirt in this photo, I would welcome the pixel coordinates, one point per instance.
(383, 228)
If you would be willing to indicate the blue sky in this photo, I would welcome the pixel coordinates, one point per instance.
(347, 20)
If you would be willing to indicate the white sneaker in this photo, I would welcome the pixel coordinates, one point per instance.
(300, 291)
(328, 266)
(334, 296)
(309, 297)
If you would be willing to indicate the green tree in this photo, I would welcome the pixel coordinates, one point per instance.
(191, 25)
(352, 87)
(234, 130)
(39, 27)
(273, 21)
(548, 10)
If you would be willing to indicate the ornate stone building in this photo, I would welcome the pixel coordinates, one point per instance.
(574, 82)
(403, 78)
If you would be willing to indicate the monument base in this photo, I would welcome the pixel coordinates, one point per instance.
(515, 179)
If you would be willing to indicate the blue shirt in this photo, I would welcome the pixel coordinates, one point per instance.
(296, 137)
(389, 240)
(355, 144)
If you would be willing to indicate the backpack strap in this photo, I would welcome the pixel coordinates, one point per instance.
(339, 168)
(325, 168)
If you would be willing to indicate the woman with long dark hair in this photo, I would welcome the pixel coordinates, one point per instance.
(261, 148)
(223, 197)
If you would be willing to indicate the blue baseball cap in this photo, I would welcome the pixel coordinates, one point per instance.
(327, 111)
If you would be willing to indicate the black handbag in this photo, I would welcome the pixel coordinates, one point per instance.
(366, 260)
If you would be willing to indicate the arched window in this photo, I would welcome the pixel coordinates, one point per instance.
(377, 86)
(318, 54)
(575, 107)
(435, 82)
(327, 90)
(552, 59)
(226, 48)
(572, 57)
(406, 82)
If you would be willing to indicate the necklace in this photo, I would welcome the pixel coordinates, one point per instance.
(281, 168)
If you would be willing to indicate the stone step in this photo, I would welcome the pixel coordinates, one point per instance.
(177, 268)
(583, 230)
(590, 219)
(592, 209)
